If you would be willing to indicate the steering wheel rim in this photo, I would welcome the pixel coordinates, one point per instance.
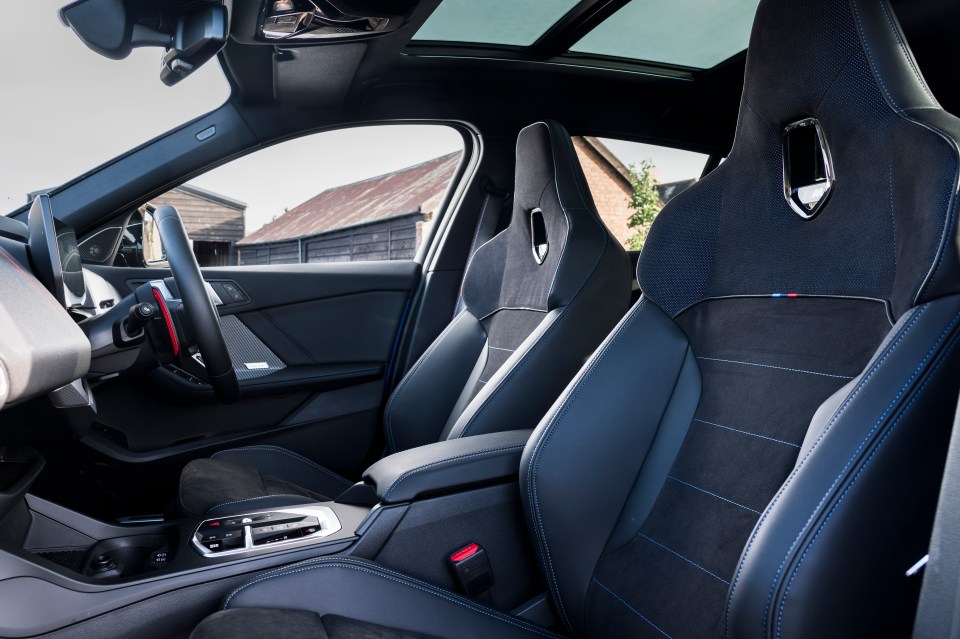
(201, 313)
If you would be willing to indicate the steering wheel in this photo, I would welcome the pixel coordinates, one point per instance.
(200, 311)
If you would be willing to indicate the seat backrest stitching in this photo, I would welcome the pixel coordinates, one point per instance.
(570, 395)
(902, 413)
(888, 349)
(856, 453)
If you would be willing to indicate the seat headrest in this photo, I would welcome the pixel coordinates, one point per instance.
(887, 229)
(538, 262)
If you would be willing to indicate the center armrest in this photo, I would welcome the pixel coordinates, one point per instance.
(452, 463)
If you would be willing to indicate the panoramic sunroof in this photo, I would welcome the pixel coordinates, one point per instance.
(689, 33)
(686, 33)
(512, 22)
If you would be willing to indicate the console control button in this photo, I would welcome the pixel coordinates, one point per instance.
(159, 558)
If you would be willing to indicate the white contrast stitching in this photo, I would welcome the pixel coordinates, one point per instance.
(779, 368)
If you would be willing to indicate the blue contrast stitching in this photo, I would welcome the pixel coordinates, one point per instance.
(570, 395)
(893, 217)
(903, 413)
(866, 49)
(289, 453)
(856, 452)
(403, 580)
(448, 460)
(744, 432)
(632, 609)
(780, 368)
(906, 54)
(840, 410)
(689, 561)
(729, 501)
(239, 501)
(931, 273)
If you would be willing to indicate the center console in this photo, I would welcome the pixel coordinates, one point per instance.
(264, 532)
(412, 512)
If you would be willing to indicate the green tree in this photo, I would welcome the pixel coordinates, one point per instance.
(645, 202)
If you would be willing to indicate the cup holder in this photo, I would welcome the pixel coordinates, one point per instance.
(129, 556)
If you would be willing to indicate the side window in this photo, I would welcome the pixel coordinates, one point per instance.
(630, 182)
(365, 193)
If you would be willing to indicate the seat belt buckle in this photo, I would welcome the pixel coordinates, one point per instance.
(472, 567)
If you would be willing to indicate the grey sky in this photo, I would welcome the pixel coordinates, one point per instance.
(65, 110)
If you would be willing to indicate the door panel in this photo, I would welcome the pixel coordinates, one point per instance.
(326, 330)
(325, 334)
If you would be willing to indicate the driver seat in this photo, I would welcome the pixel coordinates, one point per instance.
(528, 324)
(756, 449)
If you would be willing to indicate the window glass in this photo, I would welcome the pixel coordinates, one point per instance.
(690, 33)
(66, 109)
(513, 22)
(630, 182)
(366, 193)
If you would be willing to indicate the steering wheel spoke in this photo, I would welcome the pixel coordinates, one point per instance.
(198, 309)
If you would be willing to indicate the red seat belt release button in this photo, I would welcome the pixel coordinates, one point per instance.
(472, 568)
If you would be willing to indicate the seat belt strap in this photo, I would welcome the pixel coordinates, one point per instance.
(938, 613)
(488, 225)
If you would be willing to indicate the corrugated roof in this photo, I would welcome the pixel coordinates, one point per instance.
(415, 188)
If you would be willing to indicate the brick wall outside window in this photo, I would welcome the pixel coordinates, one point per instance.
(608, 183)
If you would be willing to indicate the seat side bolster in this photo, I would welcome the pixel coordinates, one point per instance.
(520, 393)
(583, 459)
(808, 536)
(419, 407)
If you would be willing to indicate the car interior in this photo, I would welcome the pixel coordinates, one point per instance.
(745, 429)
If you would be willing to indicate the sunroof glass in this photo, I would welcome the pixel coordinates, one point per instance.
(690, 33)
(513, 22)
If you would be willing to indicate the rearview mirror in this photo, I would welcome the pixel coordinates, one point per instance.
(199, 36)
(111, 29)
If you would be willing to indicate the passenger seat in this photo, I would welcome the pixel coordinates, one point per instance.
(538, 298)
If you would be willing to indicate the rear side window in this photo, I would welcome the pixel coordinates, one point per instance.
(630, 182)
